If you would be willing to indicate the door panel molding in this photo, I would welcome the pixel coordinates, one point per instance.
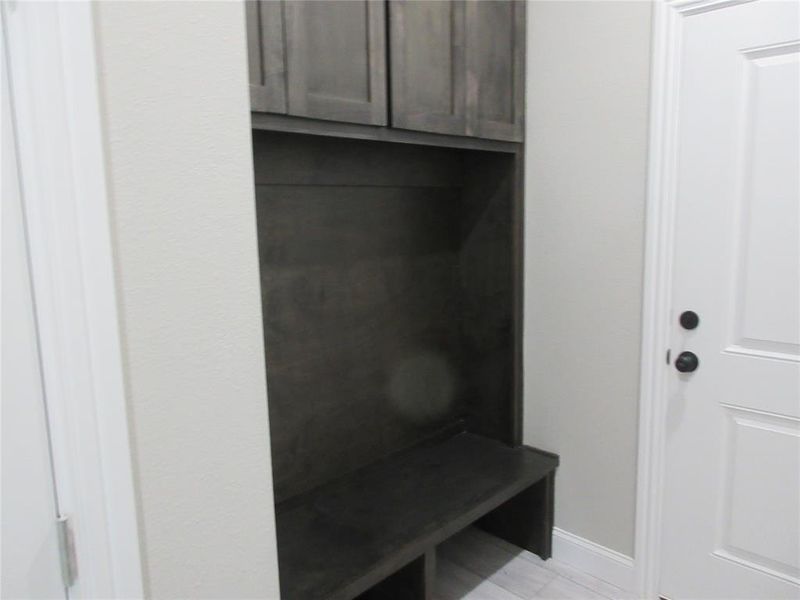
(744, 544)
(763, 322)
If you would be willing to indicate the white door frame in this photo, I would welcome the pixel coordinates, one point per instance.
(668, 19)
(53, 70)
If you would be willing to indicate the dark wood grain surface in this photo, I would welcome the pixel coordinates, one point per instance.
(266, 54)
(391, 275)
(495, 62)
(428, 71)
(358, 246)
(391, 298)
(336, 59)
(487, 291)
(289, 124)
(345, 537)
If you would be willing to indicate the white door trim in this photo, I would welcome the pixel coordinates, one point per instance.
(56, 108)
(668, 17)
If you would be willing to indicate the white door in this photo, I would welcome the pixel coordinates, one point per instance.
(732, 482)
(29, 558)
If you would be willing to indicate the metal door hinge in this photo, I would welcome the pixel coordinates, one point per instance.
(66, 547)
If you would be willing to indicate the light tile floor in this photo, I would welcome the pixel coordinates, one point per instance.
(477, 566)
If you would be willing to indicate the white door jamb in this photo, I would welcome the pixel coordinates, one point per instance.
(53, 70)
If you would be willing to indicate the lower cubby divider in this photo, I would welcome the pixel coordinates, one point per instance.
(415, 581)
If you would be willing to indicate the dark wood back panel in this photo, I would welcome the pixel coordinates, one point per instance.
(358, 244)
(386, 286)
(488, 289)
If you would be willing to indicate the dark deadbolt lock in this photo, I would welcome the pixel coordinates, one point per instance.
(689, 319)
(687, 362)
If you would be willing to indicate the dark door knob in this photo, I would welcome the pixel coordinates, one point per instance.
(687, 362)
(689, 319)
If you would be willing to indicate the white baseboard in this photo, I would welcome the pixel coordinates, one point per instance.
(593, 559)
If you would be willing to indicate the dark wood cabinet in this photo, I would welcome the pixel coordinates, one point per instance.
(266, 56)
(495, 54)
(336, 60)
(392, 294)
(319, 59)
(428, 68)
(389, 176)
(457, 67)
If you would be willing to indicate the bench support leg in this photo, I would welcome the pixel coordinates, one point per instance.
(526, 520)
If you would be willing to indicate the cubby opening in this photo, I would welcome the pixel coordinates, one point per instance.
(390, 291)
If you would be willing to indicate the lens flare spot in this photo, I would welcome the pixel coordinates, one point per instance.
(422, 387)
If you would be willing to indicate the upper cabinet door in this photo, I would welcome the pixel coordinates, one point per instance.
(266, 56)
(495, 53)
(428, 67)
(336, 59)
(457, 67)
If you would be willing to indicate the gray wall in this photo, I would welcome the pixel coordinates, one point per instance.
(175, 94)
(587, 118)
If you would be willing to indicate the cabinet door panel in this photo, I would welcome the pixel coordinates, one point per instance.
(336, 59)
(266, 57)
(495, 43)
(428, 69)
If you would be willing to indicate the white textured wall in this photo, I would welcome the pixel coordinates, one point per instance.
(174, 80)
(587, 117)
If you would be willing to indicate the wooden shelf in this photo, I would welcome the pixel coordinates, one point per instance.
(288, 124)
(341, 539)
